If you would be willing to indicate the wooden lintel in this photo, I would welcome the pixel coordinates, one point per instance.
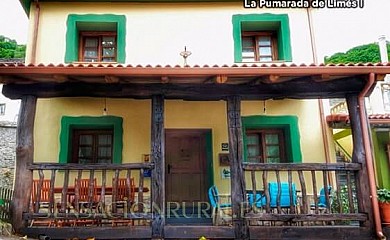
(111, 79)
(165, 79)
(221, 79)
(60, 78)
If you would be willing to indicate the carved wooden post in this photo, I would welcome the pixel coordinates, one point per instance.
(24, 157)
(359, 156)
(158, 173)
(236, 170)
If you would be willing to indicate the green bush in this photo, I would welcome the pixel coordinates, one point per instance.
(341, 197)
(383, 195)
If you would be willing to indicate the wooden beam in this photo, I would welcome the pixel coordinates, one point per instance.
(24, 157)
(101, 232)
(290, 89)
(196, 231)
(221, 79)
(310, 232)
(359, 156)
(237, 173)
(111, 79)
(257, 81)
(380, 77)
(321, 77)
(165, 79)
(158, 173)
(60, 78)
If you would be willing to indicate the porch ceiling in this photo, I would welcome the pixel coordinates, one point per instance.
(192, 83)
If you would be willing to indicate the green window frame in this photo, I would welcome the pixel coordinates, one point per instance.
(263, 22)
(69, 123)
(289, 125)
(72, 33)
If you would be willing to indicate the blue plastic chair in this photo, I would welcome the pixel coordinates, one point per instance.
(218, 207)
(284, 200)
(259, 201)
(321, 203)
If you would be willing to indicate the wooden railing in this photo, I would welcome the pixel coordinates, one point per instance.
(63, 200)
(5, 201)
(307, 198)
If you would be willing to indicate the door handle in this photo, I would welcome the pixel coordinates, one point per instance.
(169, 168)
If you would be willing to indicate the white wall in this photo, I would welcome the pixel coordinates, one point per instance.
(157, 33)
(11, 108)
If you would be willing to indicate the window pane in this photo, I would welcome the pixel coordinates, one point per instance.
(91, 42)
(108, 42)
(104, 152)
(265, 59)
(273, 151)
(271, 139)
(85, 151)
(265, 51)
(104, 160)
(111, 59)
(253, 151)
(273, 160)
(104, 139)
(248, 53)
(264, 41)
(248, 42)
(84, 160)
(253, 139)
(85, 139)
(108, 52)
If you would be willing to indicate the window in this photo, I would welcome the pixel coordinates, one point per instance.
(91, 139)
(2, 108)
(259, 47)
(386, 96)
(265, 146)
(92, 146)
(97, 47)
(270, 139)
(96, 38)
(261, 37)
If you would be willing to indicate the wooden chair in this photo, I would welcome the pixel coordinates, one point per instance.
(122, 198)
(40, 200)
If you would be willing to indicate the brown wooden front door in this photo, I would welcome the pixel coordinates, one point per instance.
(185, 167)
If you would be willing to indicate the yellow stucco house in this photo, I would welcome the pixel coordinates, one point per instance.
(133, 114)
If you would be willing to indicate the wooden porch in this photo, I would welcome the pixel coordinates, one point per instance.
(304, 217)
(349, 217)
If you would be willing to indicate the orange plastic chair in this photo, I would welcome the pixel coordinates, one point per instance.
(122, 198)
(40, 200)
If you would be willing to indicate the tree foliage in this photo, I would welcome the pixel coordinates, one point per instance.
(360, 54)
(9, 48)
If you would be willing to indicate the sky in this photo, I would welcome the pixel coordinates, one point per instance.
(337, 30)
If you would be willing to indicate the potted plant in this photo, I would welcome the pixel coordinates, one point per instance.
(384, 204)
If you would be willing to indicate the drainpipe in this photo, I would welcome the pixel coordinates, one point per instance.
(369, 157)
(320, 102)
(35, 33)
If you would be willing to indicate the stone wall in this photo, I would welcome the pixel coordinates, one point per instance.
(7, 153)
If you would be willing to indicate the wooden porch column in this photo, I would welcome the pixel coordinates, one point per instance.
(158, 173)
(359, 156)
(236, 170)
(24, 157)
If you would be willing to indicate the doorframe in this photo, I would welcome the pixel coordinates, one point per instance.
(209, 153)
